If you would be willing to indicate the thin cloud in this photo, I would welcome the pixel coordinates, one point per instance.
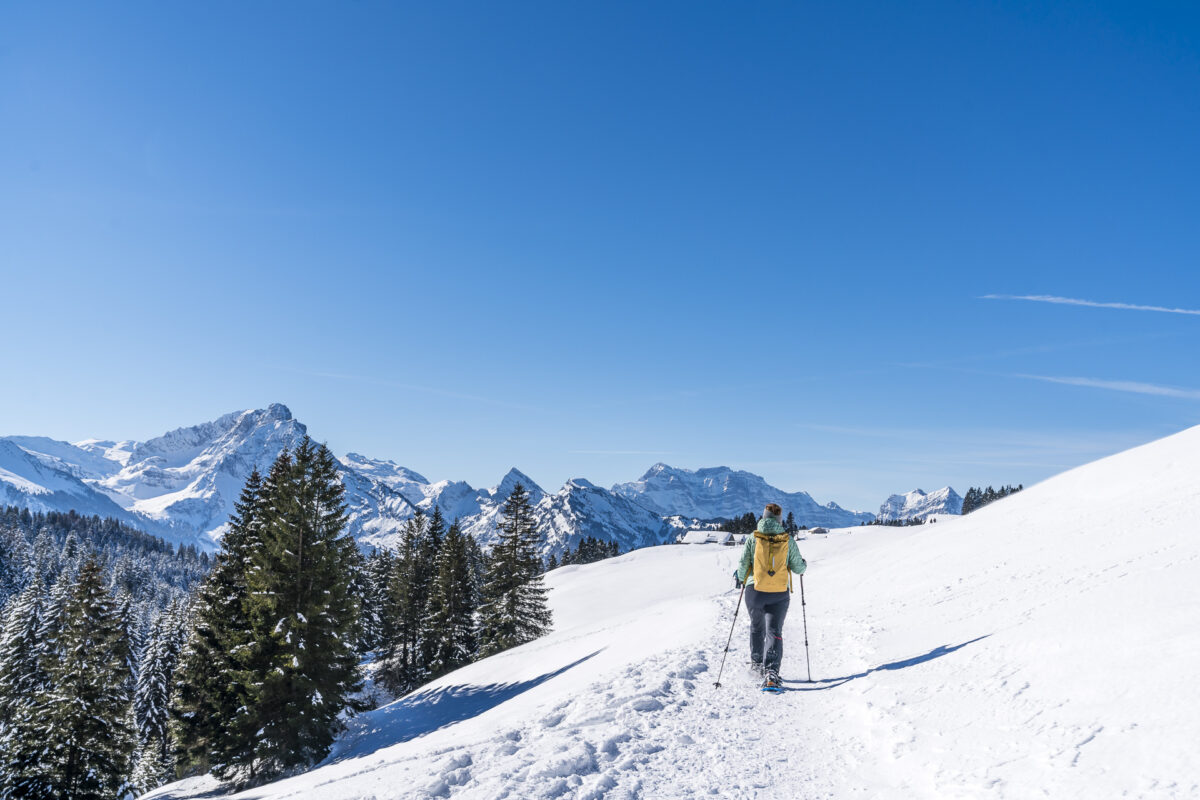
(620, 452)
(1133, 387)
(1072, 301)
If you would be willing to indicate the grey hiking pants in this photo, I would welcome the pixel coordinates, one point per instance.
(767, 612)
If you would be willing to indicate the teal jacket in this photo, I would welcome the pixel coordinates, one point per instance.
(769, 525)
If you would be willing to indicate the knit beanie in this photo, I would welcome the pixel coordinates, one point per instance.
(773, 510)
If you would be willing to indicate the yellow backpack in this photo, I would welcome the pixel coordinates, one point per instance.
(771, 562)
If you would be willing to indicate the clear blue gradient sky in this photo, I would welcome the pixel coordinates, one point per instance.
(585, 237)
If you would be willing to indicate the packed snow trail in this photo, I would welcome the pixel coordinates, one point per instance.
(1044, 646)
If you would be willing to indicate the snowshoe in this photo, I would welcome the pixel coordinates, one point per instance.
(772, 683)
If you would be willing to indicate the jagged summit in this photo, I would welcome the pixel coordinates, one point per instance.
(515, 476)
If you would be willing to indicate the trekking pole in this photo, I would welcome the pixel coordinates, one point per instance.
(730, 639)
(804, 613)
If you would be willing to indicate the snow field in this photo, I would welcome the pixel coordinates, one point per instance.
(1044, 646)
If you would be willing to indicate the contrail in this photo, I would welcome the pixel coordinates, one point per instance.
(1071, 301)
(1121, 386)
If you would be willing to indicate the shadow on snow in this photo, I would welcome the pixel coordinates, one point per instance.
(833, 683)
(425, 711)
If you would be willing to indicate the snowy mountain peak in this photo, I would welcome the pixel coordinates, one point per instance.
(657, 469)
(713, 492)
(512, 478)
(919, 505)
(184, 444)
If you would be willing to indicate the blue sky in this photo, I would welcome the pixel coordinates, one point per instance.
(585, 237)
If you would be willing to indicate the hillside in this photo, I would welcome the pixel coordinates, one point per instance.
(1043, 646)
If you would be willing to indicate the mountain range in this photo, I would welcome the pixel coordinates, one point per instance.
(182, 485)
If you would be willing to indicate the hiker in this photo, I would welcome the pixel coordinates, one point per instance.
(768, 559)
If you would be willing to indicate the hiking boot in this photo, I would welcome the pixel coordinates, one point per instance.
(772, 683)
(757, 668)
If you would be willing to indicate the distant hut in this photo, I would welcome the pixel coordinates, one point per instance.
(818, 530)
(706, 537)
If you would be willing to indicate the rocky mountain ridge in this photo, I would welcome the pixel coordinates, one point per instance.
(182, 486)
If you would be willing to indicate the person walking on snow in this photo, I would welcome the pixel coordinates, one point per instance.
(768, 559)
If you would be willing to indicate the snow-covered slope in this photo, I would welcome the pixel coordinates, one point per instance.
(724, 492)
(43, 482)
(581, 509)
(919, 505)
(1043, 646)
(400, 479)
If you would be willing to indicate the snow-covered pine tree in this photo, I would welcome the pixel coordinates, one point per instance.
(153, 689)
(132, 638)
(427, 573)
(450, 629)
(84, 720)
(14, 564)
(514, 609)
(21, 675)
(54, 613)
(211, 726)
(377, 621)
(151, 769)
(23, 683)
(400, 670)
(302, 613)
(477, 562)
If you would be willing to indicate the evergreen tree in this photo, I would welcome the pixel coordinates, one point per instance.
(152, 769)
(14, 563)
(451, 628)
(551, 562)
(23, 687)
(84, 722)
(23, 683)
(21, 675)
(427, 575)
(477, 562)
(131, 637)
(212, 727)
(514, 607)
(52, 619)
(401, 670)
(302, 614)
(378, 626)
(153, 689)
(789, 524)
